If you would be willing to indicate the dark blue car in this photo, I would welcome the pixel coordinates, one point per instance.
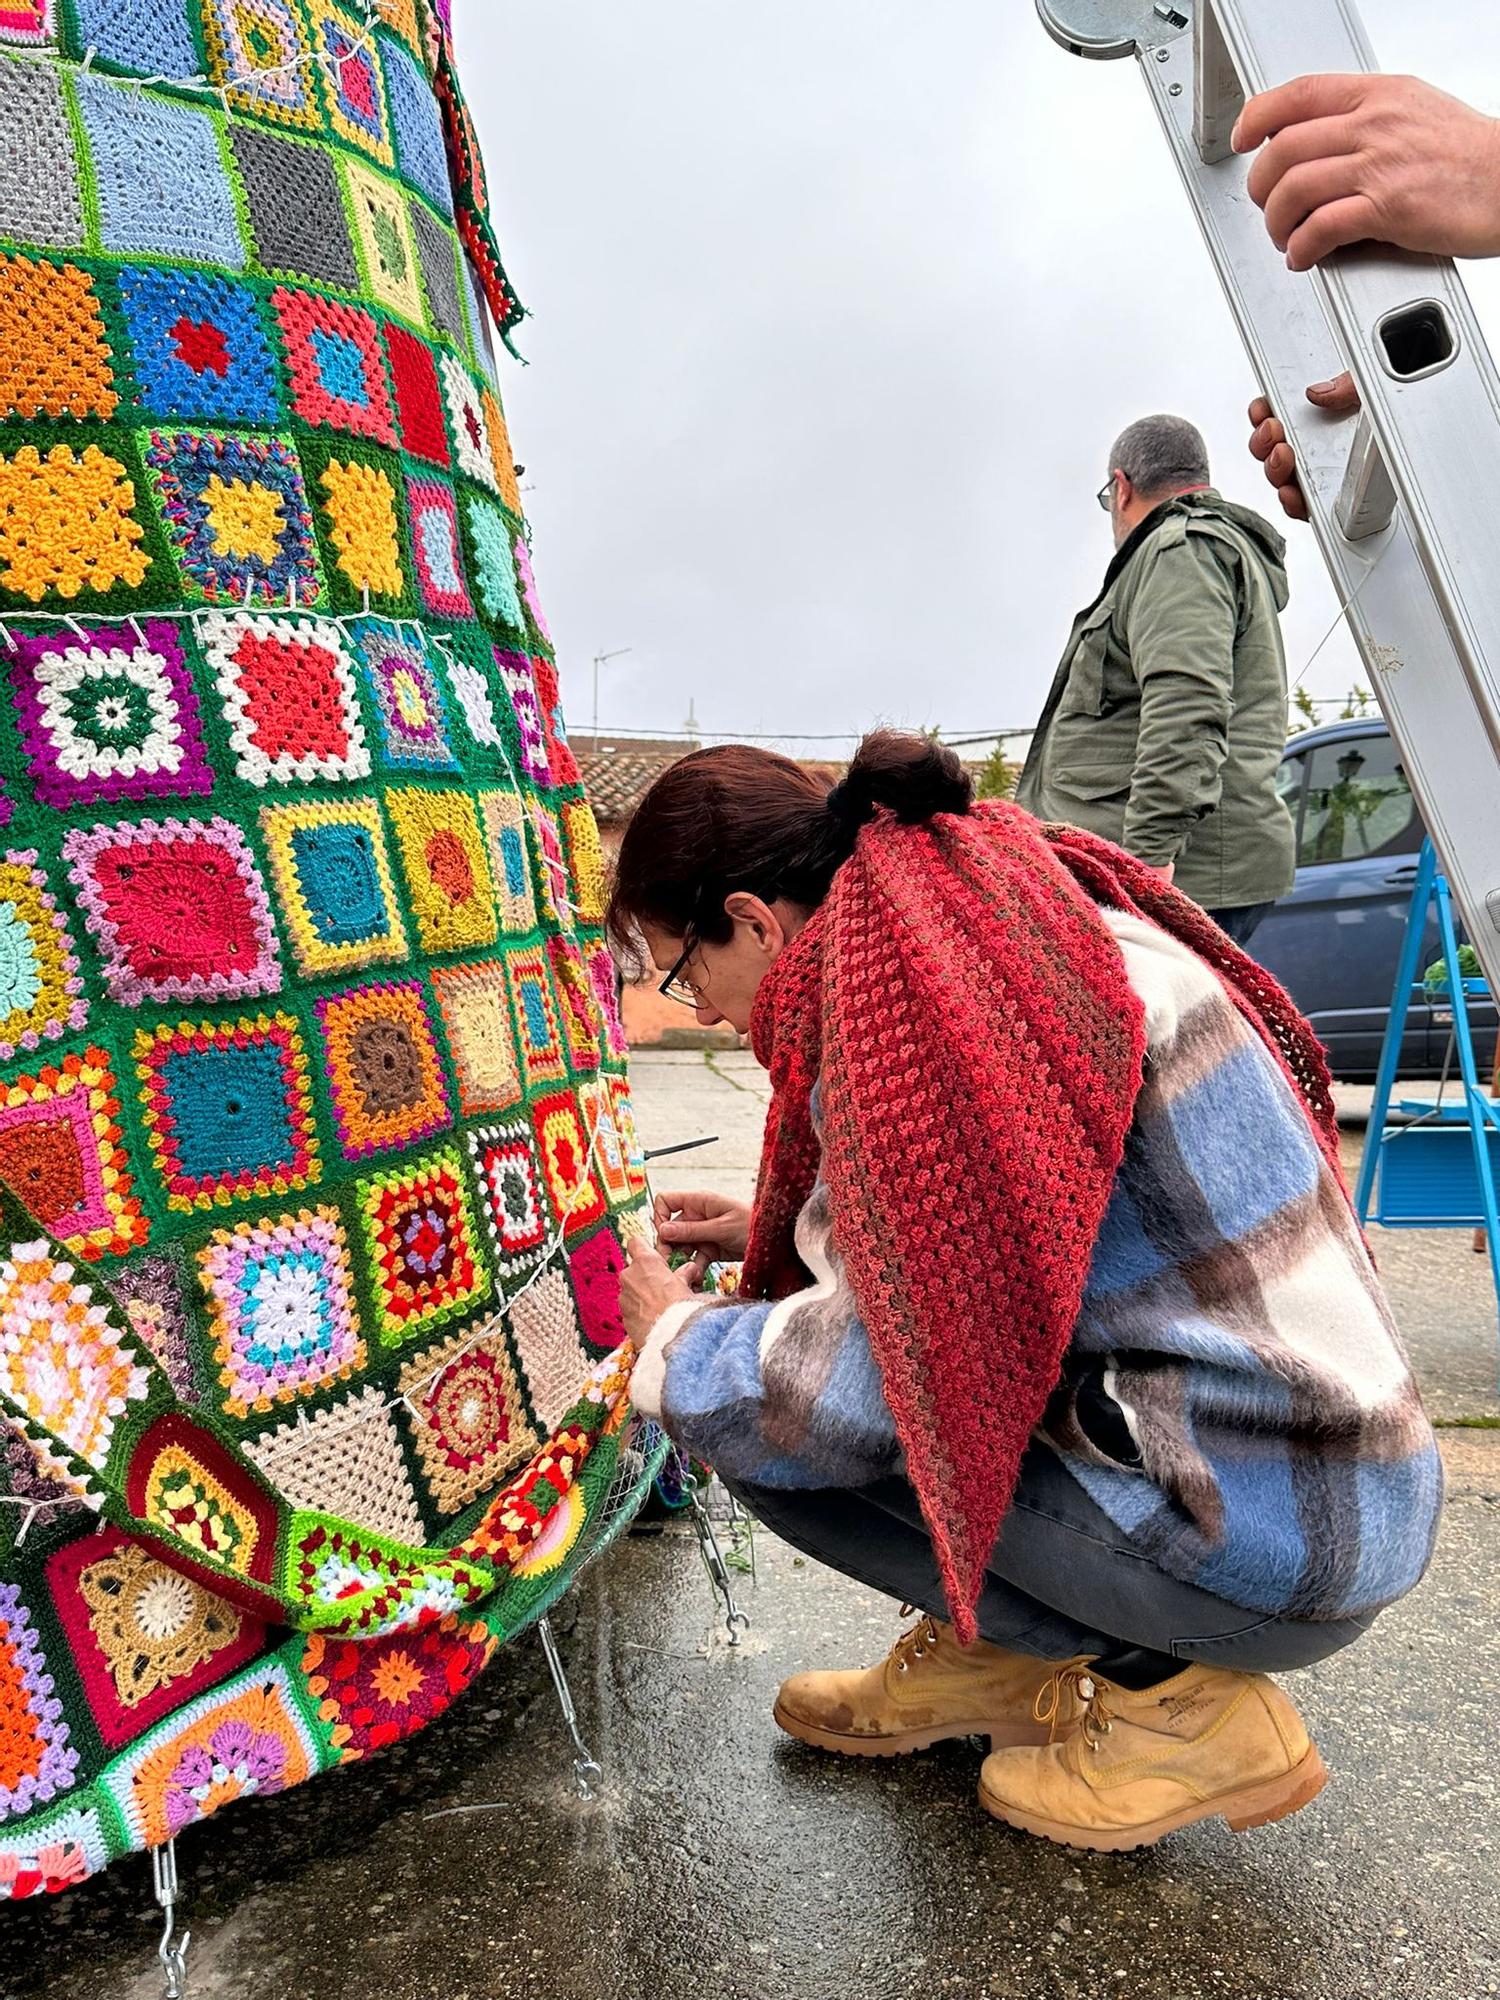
(1333, 942)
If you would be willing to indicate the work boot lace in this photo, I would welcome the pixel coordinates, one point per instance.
(1051, 1704)
(914, 1644)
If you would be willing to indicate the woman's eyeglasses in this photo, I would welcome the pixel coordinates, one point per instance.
(674, 986)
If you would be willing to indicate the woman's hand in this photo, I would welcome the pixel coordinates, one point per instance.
(713, 1226)
(647, 1288)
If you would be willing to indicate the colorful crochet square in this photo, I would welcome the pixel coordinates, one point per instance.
(447, 875)
(400, 16)
(200, 350)
(374, 1692)
(536, 1015)
(185, 1482)
(55, 358)
(334, 884)
(228, 1109)
(143, 1638)
(577, 1200)
(554, 890)
(145, 150)
(37, 1759)
(478, 707)
(560, 756)
(151, 1292)
(515, 671)
(544, 1326)
(418, 400)
(596, 1105)
(435, 547)
(595, 1269)
(62, 1152)
(384, 1071)
(359, 502)
(148, 37)
(437, 253)
(287, 685)
(335, 363)
(420, 151)
(29, 22)
(349, 74)
(60, 1358)
(384, 236)
(423, 1258)
(41, 993)
(576, 998)
(108, 713)
(466, 421)
(236, 516)
(606, 983)
(297, 219)
(41, 195)
(489, 544)
(505, 457)
(476, 1019)
(635, 1158)
(344, 1458)
(258, 53)
(283, 1316)
(469, 1426)
(247, 1739)
(408, 701)
(66, 524)
(176, 910)
(527, 581)
(585, 860)
(510, 1184)
(504, 820)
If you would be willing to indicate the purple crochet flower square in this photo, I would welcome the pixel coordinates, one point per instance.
(40, 1763)
(515, 670)
(108, 713)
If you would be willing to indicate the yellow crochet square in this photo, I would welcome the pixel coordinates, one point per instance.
(65, 523)
(54, 357)
(501, 452)
(361, 508)
(586, 858)
(442, 852)
(385, 239)
(333, 880)
(400, 16)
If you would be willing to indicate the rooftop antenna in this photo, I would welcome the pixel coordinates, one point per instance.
(602, 659)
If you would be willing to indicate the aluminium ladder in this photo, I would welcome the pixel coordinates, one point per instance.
(1405, 498)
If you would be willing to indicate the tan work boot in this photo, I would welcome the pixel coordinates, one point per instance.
(1140, 1764)
(927, 1689)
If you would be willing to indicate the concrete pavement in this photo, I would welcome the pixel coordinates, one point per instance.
(724, 1863)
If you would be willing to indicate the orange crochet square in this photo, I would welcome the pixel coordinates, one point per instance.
(54, 357)
(65, 523)
(501, 452)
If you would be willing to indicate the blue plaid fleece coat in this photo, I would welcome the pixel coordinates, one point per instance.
(1235, 1398)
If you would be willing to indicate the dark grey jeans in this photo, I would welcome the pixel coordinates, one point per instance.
(1243, 923)
(1062, 1580)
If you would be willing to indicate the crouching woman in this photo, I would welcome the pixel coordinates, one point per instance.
(1055, 1320)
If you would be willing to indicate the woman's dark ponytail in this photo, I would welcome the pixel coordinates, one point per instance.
(738, 818)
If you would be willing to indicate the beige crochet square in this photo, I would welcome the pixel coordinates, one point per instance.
(347, 1460)
(544, 1325)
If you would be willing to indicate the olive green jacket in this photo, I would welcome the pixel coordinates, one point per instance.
(1167, 718)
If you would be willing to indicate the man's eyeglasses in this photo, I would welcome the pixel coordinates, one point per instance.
(674, 986)
(1105, 495)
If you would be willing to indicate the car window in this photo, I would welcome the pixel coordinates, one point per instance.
(1358, 803)
(1289, 785)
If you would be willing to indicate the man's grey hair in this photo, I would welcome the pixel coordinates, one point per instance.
(1160, 455)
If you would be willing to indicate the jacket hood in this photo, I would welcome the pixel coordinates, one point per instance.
(1269, 544)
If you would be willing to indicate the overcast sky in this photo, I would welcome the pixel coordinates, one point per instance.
(837, 306)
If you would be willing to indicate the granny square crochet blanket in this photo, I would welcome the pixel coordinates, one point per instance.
(315, 1140)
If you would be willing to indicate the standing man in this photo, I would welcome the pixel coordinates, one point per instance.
(1167, 717)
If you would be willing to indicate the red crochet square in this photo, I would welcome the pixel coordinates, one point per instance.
(418, 401)
(595, 1268)
(333, 358)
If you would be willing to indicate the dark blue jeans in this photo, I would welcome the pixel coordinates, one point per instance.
(1062, 1580)
(1242, 924)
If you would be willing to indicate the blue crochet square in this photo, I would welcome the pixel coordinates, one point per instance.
(146, 37)
(162, 185)
(419, 131)
(513, 860)
(340, 366)
(229, 1110)
(200, 349)
(340, 883)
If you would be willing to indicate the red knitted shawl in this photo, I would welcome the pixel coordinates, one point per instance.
(980, 1050)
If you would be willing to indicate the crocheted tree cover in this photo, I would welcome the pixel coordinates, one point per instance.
(315, 1140)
